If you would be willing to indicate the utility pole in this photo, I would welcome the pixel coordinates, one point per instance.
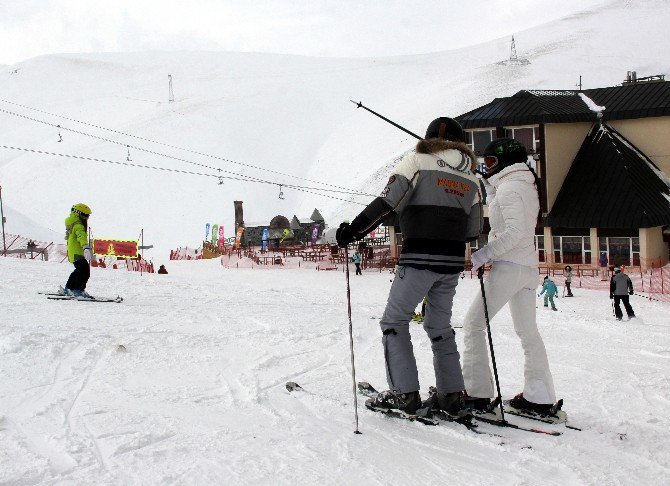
(2, 217)
(171, 93)
(580, 83)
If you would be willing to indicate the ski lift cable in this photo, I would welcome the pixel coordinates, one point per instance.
(196, 152)
(128, 146)
(166, 169)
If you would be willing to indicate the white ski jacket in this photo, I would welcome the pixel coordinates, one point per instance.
(513, 208)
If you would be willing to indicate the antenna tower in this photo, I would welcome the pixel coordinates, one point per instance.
(171, 93)
(512, 52)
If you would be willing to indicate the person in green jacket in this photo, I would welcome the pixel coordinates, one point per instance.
(551, 290)
(78, 250)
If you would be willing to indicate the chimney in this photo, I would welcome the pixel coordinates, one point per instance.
(239, 214)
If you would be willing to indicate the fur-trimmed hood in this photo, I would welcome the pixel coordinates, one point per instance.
(435, 145)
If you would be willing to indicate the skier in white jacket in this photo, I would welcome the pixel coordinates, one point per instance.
(513, 211)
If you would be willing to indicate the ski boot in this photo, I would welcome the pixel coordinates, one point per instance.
(451, 406)
(478, 405)
(520, 403)
(405, 402)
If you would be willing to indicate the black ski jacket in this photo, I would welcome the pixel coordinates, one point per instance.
(436, 196)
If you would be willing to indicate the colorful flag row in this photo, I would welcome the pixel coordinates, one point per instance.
(217, 238)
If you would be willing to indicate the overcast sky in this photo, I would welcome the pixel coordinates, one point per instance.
(333, 28)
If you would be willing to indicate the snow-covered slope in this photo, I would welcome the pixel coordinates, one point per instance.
(286, 114)
(196, 395)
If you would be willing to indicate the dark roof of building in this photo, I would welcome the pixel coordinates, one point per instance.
(530, 107)
(611, 184)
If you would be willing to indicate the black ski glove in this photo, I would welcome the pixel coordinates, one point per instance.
(344, 235)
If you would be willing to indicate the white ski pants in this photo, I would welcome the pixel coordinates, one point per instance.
(516, 285)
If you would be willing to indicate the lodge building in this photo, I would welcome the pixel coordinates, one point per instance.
(602, 156)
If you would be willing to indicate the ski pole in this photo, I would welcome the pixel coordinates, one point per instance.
(360, 105)
(480, 274)
(351, 339)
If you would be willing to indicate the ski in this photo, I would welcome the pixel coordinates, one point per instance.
(406, 416)
(557, 416)
(61, 294)
(424, 415)
(292, 386)
(500, 423)
(365, 388)
(56, 293)
(116, 300)
(493, 417)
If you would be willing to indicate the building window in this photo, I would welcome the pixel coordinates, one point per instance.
(528, 136)
(572, 250)
(477, 140)
(539, 246)
(620, 250)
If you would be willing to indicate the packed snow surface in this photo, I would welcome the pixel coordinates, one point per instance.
(184, 383)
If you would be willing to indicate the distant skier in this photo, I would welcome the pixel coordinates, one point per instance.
(620, 288)
(513, 212)
(436, 197)
(78, 251)
(602, 261)
(550, 291)
(568, 280)
(162, 270)
(357, 261)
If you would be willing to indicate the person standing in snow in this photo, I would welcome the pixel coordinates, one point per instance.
(435, 195)
(568, 280)
(620, 288)
(357, 261)
(602, 261)
(549, 290)
(513, 211)
(78, 250)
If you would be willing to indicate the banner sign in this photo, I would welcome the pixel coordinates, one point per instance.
(215, 233)
(315, 233)
(264, 239)
(207, 226)
(238, 236)
(284, 234)
(221, 241)
(116, 248)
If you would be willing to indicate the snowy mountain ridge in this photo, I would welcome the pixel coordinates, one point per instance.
(286, 114)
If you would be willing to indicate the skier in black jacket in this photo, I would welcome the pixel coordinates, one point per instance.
(620, 288)
(435, 194)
